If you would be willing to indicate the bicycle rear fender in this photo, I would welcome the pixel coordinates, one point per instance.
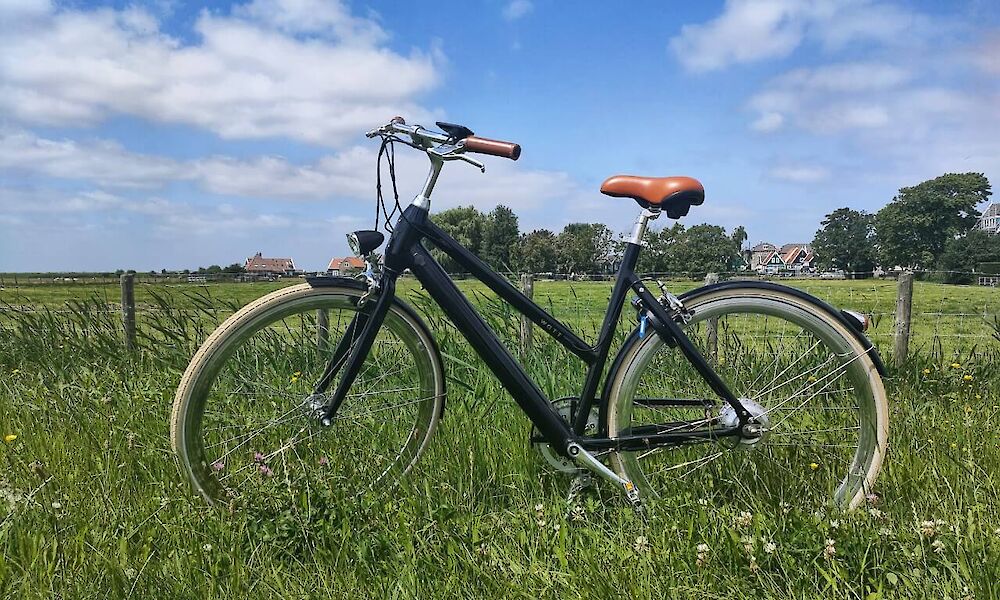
(837, 315)
(851, 325)
(321, 281)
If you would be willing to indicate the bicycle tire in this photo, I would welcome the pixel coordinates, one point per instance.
(276, 333)
(799, 468)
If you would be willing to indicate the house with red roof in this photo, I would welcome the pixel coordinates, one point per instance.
(349, 265)
(261, 266)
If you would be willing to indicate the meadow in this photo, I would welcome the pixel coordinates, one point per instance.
(91, 503)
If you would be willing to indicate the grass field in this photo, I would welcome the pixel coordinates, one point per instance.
(91, 504)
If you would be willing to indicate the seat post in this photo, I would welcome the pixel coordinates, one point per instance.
(639, 229)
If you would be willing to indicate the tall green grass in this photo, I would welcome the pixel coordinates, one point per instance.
(91, 504)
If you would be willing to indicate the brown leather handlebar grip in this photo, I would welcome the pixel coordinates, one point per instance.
(494, 147)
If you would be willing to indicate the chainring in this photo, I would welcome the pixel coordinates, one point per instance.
(566, 407)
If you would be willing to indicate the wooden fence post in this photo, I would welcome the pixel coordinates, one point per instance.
(901, 329)
(322, 329)
(128, 309)
(712, 324)
(528, 289)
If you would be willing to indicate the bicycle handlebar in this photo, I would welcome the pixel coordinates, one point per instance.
(427, 138)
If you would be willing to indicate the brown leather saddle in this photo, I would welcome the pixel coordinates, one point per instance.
(673, 195)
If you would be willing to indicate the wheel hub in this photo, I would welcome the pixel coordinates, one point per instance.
(755, 430)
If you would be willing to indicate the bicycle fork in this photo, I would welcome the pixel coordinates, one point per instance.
(353, 348)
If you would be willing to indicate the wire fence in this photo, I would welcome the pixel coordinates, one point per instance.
(945, 320)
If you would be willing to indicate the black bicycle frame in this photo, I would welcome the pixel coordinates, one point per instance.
(405, 250)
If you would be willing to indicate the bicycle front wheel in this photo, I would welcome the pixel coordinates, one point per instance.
(245, 429)
(810, 380)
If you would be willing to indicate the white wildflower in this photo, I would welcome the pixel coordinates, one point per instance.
(770, 547)
(829, 549)
(744, 519)
(928, 529)
(703, 551)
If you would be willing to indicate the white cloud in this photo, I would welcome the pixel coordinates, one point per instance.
(847, 77)
(293, 68)
(754, 30)
(62, 209)
(317, 17)
(103, 162)
(767, 122)
(746, 31)
(799, 173)
(848, 96)
(517, 9)
(346, 176)
(986, 55)
(913, 125)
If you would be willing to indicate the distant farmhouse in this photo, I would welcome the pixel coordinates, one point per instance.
(990, 221)
(349, 265)
(768, 259)
(260, 266)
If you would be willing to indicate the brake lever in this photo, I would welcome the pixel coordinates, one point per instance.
(451, 152)
(472, 161)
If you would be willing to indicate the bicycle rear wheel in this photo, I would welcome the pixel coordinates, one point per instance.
(244, 427)
(807, 376)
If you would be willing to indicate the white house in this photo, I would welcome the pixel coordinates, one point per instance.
(990, 221)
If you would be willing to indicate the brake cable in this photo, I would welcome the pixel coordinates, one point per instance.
(388, 150)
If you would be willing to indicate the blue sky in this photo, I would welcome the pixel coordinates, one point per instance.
(167, 134)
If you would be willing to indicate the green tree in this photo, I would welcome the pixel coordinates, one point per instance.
(500, 238)
(584, 248)
(537, 252)
(465, 224)
(660, 252)
(234, 268)
(845, 241)
(913, 229)
(705, 248)
(962, 256)
(739, 237)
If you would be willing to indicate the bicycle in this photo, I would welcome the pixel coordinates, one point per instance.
(334, 387)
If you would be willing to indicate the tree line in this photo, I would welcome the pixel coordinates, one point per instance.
(929, 226)
(585, 248)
